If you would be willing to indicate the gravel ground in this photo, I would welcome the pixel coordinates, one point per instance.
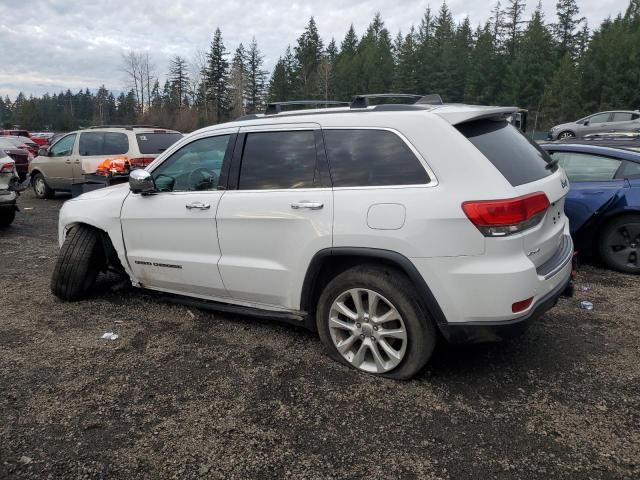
(184, 393)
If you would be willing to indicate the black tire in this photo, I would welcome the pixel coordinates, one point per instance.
(7, 215)
(80, 260)
(44, 191)
(396, 288)
(566, 134)
(619, 244)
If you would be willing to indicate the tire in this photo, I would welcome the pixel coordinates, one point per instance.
(40, 187)
(7, 215)
(566, 134)
(80, 260)
(619, 244)
(394, 290)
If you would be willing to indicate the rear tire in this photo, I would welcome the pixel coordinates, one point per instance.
(80, 260)
(397, 348)
(619, 244)
(40, 187)
(7, 215)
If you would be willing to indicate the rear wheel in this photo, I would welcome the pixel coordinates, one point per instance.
(80, 260)
(620, 244)
(40, 187)
(566, 134)
(7, 215)
(368, 318)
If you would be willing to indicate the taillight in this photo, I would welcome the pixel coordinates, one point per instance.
(140, 162)
(113, 166)
(498, 218)
(6, 167)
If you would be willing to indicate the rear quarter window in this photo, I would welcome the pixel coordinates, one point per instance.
(518, 159)
(155, 143)
(103, 143)
(361, 158)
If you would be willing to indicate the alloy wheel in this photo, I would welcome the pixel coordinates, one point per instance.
(624, 245)
(566, 135)
(367, 330)
(40, 187)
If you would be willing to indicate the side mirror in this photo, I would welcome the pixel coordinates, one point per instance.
(43, 152)
(586, 122)
(141, 181)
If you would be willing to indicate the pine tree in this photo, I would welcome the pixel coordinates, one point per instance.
(566, 30)
(256, 78)
(215, 78)
(483, 84)
(562, 96)
(346, 68)
(406, 72)
(178, 79)
(513, 20)
(375, 53)
(308, 53)
(237, 83)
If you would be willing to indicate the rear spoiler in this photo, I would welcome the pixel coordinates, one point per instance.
(455, 114)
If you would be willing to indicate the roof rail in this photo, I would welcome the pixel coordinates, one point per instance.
(128, 127)
(362, 101)
(276, 107)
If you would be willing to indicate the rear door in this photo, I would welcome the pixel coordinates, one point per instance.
(96, 146)
(624, 122)
(276, 215)
(597, 123)
(593, 184)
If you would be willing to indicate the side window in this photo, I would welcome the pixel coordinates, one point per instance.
(103, 143)
(278, 160)
(600, 118)
(359, 158)
(64, 146)
(630, 170)
(583, 167)
(195, 167)
(621, 117)
(635, 116)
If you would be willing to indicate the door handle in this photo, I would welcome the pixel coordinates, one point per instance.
(198, 205)
(68, 162)
(307, 204)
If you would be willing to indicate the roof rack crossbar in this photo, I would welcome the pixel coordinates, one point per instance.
(276, 107)
(362, 101)
(128, 127)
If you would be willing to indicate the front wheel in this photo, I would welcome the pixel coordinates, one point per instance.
(40, 187)
(80, 260)
(620, 244)
(368, 318)
(566, 134)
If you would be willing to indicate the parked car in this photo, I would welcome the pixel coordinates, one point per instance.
(628, 140)
(603, 204)
(105, 151)
(377, 226)
(17, 132)
(21, 156)
(42, 138)
(615, 121)
(8, 193)
(24, 142)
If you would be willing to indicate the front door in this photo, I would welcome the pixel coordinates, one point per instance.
(58, 169)
(276, 216)
(171, 236)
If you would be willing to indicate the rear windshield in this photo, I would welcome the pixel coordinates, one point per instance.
(518, 159)
(153, 143)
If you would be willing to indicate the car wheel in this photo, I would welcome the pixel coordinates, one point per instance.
(7, 215)
(80, 260)
(368, 318)
(566, 134)
(620, 244)
(40, 187)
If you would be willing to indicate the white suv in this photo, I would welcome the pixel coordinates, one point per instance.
(379, 226)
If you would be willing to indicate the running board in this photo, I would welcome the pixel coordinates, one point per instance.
(291, 317)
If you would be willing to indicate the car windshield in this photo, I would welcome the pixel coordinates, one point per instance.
(156, 142)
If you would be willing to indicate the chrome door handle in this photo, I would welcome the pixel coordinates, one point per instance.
(307, 204)
(198, 205)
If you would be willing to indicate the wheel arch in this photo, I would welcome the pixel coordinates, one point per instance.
(108, 248)
(329, 262)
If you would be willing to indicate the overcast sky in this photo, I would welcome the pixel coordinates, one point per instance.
(49, 45)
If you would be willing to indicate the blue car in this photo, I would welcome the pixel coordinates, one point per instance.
(603, 204)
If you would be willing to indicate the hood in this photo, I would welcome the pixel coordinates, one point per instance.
(564, 125)
(120, 190)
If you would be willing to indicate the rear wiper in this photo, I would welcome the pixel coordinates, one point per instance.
(552, 163)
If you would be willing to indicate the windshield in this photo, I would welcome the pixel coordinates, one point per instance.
(155, 143)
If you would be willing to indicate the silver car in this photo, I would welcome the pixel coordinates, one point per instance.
(613, 121)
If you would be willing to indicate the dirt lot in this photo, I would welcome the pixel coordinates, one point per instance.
(190, 394)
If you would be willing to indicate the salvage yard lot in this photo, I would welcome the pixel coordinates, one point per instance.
(184, 393)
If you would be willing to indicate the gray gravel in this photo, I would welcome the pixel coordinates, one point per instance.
(184, 393)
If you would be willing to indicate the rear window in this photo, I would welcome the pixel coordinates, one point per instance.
(621, 117)
(103, 143)
(360, 158)
(154, 143)
(517, 158)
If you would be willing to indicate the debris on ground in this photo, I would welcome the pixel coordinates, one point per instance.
(110, 336)
(585, 305)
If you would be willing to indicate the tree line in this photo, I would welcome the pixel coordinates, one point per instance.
(558, 69)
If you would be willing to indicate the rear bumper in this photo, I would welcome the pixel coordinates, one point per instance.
(496, 331)
(8, 199)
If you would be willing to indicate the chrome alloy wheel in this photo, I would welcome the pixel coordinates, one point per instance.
(367, 330)
(40, 186)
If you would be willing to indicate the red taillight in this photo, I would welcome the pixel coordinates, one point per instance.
(522, 305)
(140, 162)
(497, 218)
(6, 167)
